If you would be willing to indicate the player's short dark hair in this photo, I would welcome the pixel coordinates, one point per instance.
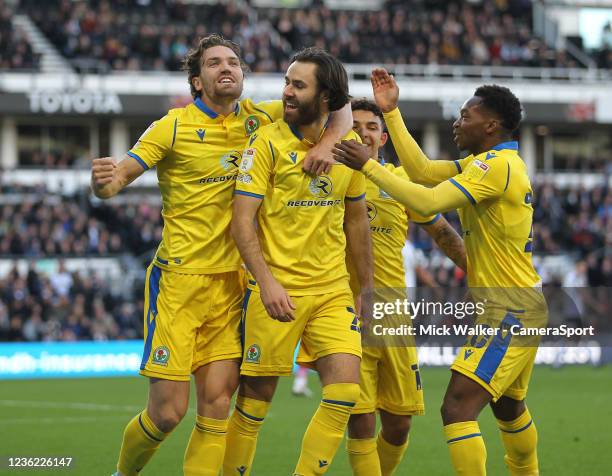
(502, 102)
(364, 104)
(331, 75)
(192, 63)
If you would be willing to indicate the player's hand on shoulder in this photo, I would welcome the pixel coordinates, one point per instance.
(103, 172)
(385, 89)
(318, 160)
(277, 302)
(352, 154)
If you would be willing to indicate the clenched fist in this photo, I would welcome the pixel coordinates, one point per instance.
(103, 172)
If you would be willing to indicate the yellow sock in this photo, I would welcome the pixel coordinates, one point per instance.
(242, 431)
(467, 449)
(363, 456)
(326, 429)
(141, 439)
(520, 439)
(390, 456)
(204, 454)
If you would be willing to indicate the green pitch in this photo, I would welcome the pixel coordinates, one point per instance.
(84, 419)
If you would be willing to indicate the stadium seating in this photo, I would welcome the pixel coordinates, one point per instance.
(15, 50)
(155, 35)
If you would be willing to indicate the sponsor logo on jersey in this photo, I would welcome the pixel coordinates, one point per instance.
(230, 160)
(201, 133)
(321, 187)
(244, 178)
(372, 211)
(293, 156)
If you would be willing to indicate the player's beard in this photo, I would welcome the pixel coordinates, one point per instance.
(305, 113)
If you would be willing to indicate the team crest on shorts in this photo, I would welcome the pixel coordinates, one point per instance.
(251, 125)
(161, 355)
(253, 354)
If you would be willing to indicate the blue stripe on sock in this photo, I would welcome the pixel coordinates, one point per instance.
(339, 402)
(251, 417)
(145, 430)
(464, 437)
(520, 429)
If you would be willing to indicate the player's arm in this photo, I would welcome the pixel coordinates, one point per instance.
(413, 159)
(108, 177)
(448, 240)
(252, 182)
(359, 242)
(277, 302)
(319, 158)
(424, 201)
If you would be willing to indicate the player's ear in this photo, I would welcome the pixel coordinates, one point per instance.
(493, 125)
(383, 138)
(197, 83)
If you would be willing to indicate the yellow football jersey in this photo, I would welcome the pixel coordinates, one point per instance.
(497, 226)
(301, 217)
(197, 153)
(389, 226)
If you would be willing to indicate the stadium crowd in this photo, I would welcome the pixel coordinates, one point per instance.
(78, 305)
(15, 50)
(51, 225)
(64, 306)
(156, 34)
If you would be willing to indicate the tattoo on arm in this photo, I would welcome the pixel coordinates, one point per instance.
(449, 242)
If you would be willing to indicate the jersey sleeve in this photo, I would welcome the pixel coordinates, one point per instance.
(156, 142)
(272, 109)
(483, 179)
(256, 167)
(357, 187)
(411, 214)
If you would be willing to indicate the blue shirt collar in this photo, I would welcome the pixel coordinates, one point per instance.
(299, 135)
(512, 145)
(296, 132)
(209, 112)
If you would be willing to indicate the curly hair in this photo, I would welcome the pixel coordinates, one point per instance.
(331, 75)
(502, 102)
(363, 104)
(192, 63)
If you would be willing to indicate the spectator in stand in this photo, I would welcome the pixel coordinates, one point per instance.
(31, 309)
(15, 51)
(155, 36)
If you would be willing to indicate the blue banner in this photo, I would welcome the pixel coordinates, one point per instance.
(69, 359)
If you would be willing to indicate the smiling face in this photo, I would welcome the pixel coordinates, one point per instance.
(221, 75)
(370, 128)
(474, 126)
(303, 102)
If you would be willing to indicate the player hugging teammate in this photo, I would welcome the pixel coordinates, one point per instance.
(296, 219)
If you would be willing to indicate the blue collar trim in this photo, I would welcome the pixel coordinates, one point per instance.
(296, 132)
(209, 112)
(512, 145)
